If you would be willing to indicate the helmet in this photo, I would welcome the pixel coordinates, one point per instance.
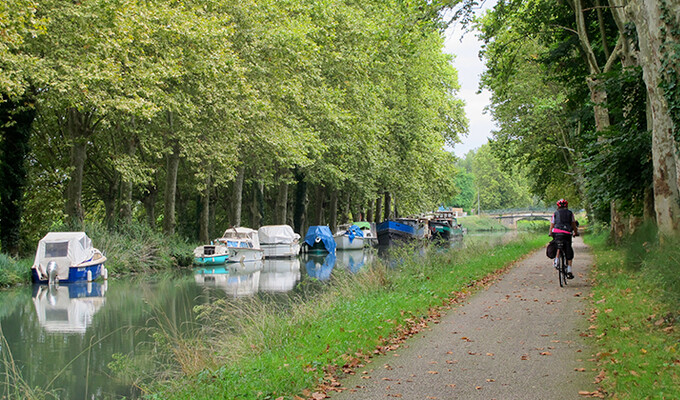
(562, 203)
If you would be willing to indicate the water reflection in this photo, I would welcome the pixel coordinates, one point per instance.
(320, 266)
(353, 259)
(279, 274)
(68, 308)
(236, 279)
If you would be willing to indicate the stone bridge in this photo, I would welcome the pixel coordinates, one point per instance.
(509, 218)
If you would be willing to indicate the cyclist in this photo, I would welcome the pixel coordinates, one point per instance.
(562, 226)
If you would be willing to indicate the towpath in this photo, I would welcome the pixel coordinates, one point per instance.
(520, 338)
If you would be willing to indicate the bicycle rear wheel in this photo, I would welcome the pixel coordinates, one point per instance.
(562, 270)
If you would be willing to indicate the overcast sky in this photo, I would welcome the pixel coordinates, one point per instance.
(470, 68)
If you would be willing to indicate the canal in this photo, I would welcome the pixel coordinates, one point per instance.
(66, 340)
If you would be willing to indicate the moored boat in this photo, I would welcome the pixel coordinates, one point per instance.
(319, 239)
(390, 232)
(369, 231)
(66, 257)
(242, 244)
(350, 239)
(211, 254)
(279, 241)
(440, 229)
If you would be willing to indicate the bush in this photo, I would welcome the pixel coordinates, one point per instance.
(14, 271)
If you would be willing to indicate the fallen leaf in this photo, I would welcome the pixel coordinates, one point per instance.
(608, 310)
(318, 396)
(491, 380)
(634, 373)
(478, 387)
(451, 385)
(546, 353)
(489, 354)
(432, 372)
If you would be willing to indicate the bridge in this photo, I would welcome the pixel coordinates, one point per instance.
(510, 217)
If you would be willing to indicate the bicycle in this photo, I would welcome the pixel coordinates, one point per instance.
(561, 266)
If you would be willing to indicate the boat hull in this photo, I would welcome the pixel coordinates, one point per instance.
(280, 250)
(391, 232)
(75, 274)
(343, 242)
(218, 259)
(242, 254)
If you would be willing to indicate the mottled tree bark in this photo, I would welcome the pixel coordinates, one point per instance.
(646, 14)
(378, 209)
(204, 222)
(78, 130)
(238, 196)
(172, 165)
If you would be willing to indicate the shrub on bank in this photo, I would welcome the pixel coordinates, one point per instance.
(13, 271)
(636, 303)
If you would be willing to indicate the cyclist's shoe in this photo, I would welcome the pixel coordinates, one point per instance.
(555, 262)
(570, 275)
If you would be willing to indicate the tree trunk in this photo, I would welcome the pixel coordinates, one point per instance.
(109, 199)
(204, 222)
(318, 210)
(172, 165)
(281, 204)
(388, 207)
(334, 211)
(369, 213)
(378, 208)
(238, 196)
(78, 131)
(256, 206)
(126, 200)
(13, 151)
(647, 16)
(299, 216)
(150, 204)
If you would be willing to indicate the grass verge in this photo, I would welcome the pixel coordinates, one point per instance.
(262, 351)
(475, 223)
(635, 317)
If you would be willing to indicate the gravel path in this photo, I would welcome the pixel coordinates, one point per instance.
(517, 339)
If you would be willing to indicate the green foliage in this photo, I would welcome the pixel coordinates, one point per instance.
(670, 58)
(467, 194)
(498, 187)
(14, 271)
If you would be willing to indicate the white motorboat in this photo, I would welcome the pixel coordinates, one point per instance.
(243, 245)
(351, 239)
(279, 241)
(67, 257)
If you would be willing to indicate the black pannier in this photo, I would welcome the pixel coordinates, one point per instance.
(551, 249)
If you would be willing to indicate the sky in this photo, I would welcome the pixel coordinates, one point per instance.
(470, 68)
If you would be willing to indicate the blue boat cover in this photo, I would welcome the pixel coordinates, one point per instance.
(354, 231)
(323, 233)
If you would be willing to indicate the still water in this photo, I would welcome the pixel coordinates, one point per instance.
(62, 339)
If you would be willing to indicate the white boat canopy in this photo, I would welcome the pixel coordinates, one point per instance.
(278, 234)
(242, 233)
(65, 248)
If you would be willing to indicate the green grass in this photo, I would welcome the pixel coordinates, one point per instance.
(262, 352)
(477, 223)
(635, 301)
(535, 225)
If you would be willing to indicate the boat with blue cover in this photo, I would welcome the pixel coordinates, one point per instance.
(67, 257)
(319, 239)
(351, 238)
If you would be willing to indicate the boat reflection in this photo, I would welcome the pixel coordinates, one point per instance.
(236, 279)
(353, 259)
(68, 308)
(279, 274)
(320, 266)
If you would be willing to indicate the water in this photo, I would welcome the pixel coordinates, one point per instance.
(62, 339)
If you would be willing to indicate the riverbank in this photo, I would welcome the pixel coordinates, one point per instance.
(281, 352)
(635, 303)
(136, 250)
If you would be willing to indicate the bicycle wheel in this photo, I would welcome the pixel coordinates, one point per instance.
(562, 270)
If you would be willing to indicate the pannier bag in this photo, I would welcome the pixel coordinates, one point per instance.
(551, 249)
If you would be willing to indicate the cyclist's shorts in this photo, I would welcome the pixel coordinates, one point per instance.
(566, 239)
